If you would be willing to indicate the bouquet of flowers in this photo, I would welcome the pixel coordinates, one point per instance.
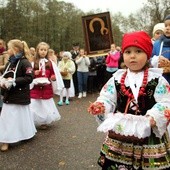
(96, 108)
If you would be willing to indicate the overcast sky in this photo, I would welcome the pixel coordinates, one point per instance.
(124, 6)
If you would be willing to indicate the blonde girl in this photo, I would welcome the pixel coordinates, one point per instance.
(52, 56)
(16, 120)
(42, 103)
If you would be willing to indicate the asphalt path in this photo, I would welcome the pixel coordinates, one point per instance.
(71, 143)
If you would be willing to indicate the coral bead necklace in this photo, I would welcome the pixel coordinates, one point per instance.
(141, 90)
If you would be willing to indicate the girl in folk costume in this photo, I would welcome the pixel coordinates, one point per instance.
(16, 120)
(134, 109)
(67, 68)
(42, 103)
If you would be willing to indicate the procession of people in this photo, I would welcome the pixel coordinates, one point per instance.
(131, 81)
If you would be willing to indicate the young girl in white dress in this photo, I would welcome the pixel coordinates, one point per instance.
(16, 120)
(42, 103)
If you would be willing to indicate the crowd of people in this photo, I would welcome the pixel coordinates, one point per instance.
(29, 79)
(133, 107)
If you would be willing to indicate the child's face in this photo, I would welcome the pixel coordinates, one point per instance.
(32, 50)
(42, 51)
(134, 58)
(113, 47)
(167, 28)
(65, 57)
(12, 50)
(157, 34)
(50, 53)
(81, 52)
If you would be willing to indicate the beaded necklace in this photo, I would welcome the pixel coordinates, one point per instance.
(141, 90)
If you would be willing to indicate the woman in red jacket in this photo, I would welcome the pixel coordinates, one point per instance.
(42, 103)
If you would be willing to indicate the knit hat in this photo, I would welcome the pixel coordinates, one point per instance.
(167, 17)
(159, 26)
(67, 53)
(138, 39)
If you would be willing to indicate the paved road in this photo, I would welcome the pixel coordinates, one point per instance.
(69, 144)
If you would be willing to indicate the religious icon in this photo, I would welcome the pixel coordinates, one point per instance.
(98, 33)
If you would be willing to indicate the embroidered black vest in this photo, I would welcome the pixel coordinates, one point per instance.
(144, 102)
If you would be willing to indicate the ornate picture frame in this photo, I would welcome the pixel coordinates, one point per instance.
(97, 33)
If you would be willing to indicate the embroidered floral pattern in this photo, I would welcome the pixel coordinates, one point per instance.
(108, 88)
(159, 107)
(119, 128)
(101, 117)
(162, 89)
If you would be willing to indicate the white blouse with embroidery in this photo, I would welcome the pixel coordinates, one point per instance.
(108, 96)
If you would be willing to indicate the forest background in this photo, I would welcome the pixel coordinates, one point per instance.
(60, 23)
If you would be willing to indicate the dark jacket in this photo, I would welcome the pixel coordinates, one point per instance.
(19, 94)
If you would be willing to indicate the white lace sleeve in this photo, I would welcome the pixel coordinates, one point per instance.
(108, 96)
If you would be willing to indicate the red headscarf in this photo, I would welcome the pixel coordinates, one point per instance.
(138, 39)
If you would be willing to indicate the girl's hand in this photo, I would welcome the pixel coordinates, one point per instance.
(152, 121)
(65, 70)
(96, 108)
(37, 72)
(53, 78)
(9, 78)
(163, 62)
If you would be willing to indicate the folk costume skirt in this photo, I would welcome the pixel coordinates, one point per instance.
(16, 123)
(151, 154)
(44, 111)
